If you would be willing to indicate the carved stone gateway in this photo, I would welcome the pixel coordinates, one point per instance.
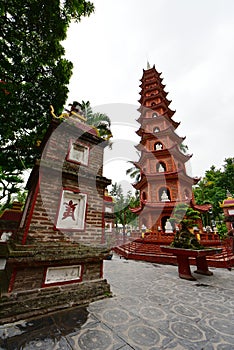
(55, 257)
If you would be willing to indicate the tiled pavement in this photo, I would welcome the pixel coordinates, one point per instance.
(152, 308)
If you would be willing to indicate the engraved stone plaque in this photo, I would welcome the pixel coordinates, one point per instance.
(62, 274)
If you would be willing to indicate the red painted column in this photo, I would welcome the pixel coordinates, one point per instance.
(202, 266)
(184, 268)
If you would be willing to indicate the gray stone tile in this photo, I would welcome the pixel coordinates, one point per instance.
(152, 309)
(96, 337)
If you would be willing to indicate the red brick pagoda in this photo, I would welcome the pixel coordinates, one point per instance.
(54, 258)
(164, 181)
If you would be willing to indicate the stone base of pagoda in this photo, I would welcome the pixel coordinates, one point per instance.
(150, 251)
(38, 279)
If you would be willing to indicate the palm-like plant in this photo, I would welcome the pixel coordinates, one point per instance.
(99, 120)
(133, 172)
(183, 148)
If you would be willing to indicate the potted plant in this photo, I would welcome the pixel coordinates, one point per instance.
(185, 245)
(185, 219)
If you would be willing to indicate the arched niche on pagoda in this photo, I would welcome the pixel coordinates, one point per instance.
(156, 129)
(155, 115)
(161, 167)
(158, 100)
(164, 194)
(158, 146)
(143, 195)
(164, 221)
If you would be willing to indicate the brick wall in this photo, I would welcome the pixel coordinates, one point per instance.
(56, 173)
(42, 224)
(29, 278)
(58, 146)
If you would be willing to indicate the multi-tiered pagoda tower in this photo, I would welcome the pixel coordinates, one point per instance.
(164, 181)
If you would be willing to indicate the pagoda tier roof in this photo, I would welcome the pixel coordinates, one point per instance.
(161, 92)
(166, 115)
(148, 70)
(165, 176)
(151, 71)
(163, 104)
(157, 135)
(152, 97)
(202, 208)
(143, 109)
(171, 204)
(154, 206)
(156, 80)
(143, 120)
(173, 151)
(137, 165)
(177, 154)
(136, 210)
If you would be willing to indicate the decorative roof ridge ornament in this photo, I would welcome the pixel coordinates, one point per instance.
(67, 114)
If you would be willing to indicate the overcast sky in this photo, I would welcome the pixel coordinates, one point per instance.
(190, 42)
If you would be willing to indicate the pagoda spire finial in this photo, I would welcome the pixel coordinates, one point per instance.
(148, 65)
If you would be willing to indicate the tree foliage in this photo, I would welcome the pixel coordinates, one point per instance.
(123, 214)
(214, 185)
(10, 184)
(100, 120)
(184, 216)
(33, 73)
(133, 172)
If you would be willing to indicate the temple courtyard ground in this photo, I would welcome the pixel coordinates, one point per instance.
(151, 308)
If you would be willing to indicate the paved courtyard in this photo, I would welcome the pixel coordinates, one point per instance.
(151, 309)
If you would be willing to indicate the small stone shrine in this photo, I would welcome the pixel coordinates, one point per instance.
(228, 210)
(55, 258)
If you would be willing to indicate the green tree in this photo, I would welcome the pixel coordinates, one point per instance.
(99, 120)
(34, 73)
(214, 185)
(184, 216)
(116, 191)
(123, 214)
(10, 185)
(226, 180)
